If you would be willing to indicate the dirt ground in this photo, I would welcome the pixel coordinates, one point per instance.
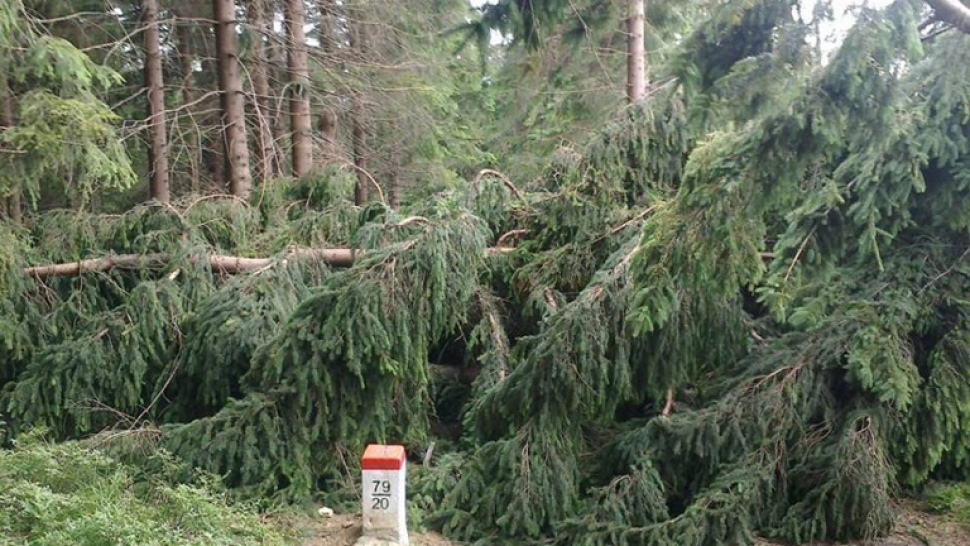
(913, 528)
(344, 530)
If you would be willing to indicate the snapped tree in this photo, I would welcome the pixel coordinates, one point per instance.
(724, 316)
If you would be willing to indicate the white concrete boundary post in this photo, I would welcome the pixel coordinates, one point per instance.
(384, 470)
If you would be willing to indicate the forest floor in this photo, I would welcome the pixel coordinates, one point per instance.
(344, 530)
(914, 527)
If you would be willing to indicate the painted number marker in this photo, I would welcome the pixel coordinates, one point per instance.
(384, 476)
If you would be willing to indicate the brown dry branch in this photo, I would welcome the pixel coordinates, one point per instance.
(335, 257)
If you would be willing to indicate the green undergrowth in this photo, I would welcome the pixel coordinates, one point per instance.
(950, 499)
(67, 494)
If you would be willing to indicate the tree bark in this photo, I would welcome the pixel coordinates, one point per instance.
(158, 137)
(394, 192)
(360, 153)
(213, 146)
(327, 13)
(217, 162)
(265, 152)
(227, 264)
(358, 37)
(186, 60)
(636, 84)
(299, 80)
(14, 206)
(234, 113)
(328, 131)
(394, 184)
(216, 144)
(328, 42)
(953, 12)
(278, 72)
(335, 257)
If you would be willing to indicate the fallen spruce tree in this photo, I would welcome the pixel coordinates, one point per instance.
(642, 374)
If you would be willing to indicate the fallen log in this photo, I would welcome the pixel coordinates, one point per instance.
(335, 257)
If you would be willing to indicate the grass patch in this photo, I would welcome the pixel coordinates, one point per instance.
(951, 499)
(68, 495)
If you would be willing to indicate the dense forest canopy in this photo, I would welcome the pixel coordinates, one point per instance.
(647, 273)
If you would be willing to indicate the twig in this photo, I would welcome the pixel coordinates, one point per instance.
(428, 453)
(945, 273)
(510, 234)
(669, 406)
(373, 181)
(505, 180)
(411, 220)
(801, 248)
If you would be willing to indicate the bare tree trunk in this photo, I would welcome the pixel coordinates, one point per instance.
(234, 113)
(217, 162)
(299, 88)
(215, 143)
(14, 206)
(358, 37)
(328, 31)
(264, 151)
(279, 75)
(187, 59)
(158, 147)
(360, 153)
(394, 185)
(636, 84)
(394, 199)
(328, 130)
(328, 42)
(336, 257)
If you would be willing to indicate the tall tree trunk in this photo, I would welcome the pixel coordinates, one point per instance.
(265, 152)
(299, 88)
(360, 152)
(358, 36)
(187, 59)
(217, 162)
(214, 143)
(394, 191)
(234, 112)
(14, 206)
(158, 147)
(328, 131)
(327, 12)
(278, 72)
(328, 42)
(395, 162)
(636, 84)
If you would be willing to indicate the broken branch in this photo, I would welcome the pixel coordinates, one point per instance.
(335, 257)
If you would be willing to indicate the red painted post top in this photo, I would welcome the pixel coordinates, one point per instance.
(381, 457)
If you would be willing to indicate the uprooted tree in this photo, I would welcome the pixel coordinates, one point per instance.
(723, 316)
